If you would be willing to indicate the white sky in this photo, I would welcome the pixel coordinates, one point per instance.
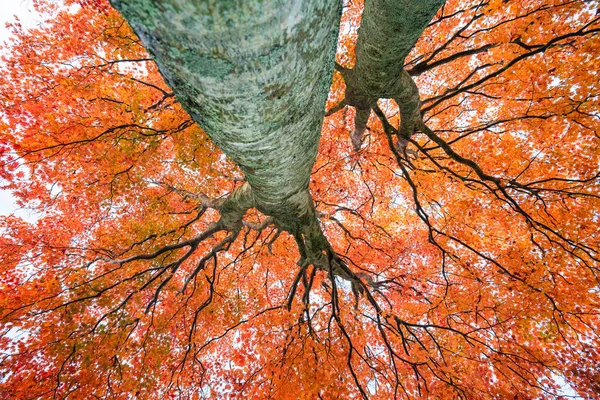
(24, 10)
(9, 8)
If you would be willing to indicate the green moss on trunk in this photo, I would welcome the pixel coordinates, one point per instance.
(254, 75)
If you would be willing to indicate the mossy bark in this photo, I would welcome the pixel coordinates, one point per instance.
(255, 76)
(389, 29)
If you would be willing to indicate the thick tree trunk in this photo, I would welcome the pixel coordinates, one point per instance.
(255, 76)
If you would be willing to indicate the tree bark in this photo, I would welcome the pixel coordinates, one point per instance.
(255, 76)
(388, 31)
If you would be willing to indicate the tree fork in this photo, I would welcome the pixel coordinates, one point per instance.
(255, 76)
(389, 29)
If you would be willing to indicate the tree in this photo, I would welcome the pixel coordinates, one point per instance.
(444, 243)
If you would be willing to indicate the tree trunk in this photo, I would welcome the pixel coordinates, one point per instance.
(255, 76)
(388, 31)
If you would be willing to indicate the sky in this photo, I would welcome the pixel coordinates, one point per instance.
(21, 8)
(24, 10)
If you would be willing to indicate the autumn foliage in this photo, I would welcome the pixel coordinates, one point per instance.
(479, 242)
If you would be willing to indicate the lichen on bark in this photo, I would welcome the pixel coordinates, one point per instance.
(254, 75)
(389, 29)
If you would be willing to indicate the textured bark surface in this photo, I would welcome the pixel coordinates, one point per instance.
(255, 76)
(389, 29)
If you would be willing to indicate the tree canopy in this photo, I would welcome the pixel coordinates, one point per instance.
(425, 226)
